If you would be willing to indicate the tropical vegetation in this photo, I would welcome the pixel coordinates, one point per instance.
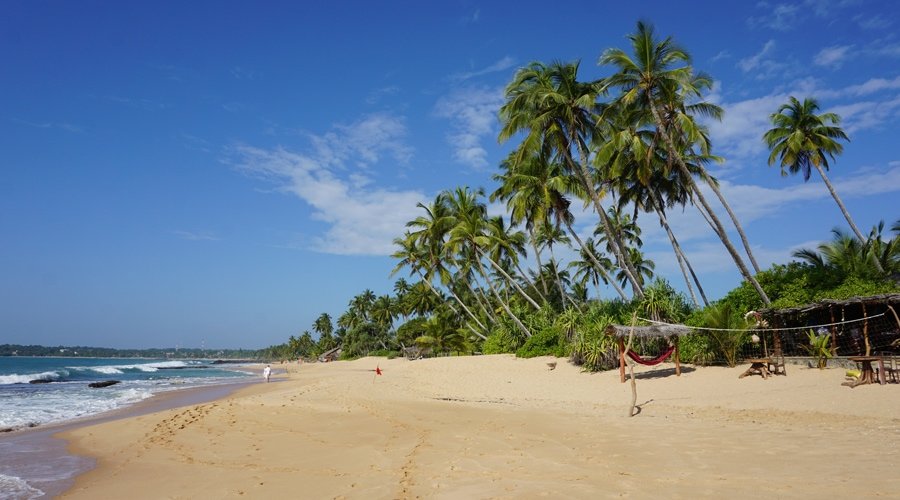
(629, 148)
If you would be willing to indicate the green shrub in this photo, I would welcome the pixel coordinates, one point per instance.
(547, 342)
(500, 342)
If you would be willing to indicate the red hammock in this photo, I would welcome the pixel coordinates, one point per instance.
(655, 361)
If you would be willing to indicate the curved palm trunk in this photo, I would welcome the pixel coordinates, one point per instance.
(737, 225)
(537, 257)
(500, 299)
(680, 258)
(562, 291)
(511, 280)
(478, 296)
(742, 267)
(844, 211)
(461, 303)
(622, 259)
(530, 283)
(596, 262)
(679, 254)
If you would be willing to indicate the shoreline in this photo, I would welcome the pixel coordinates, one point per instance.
(43, 445)
(499, 426)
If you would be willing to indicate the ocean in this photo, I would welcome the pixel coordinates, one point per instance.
(35, 392)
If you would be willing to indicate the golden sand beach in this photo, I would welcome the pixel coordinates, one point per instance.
(501, 427)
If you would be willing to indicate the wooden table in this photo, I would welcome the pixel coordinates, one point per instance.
(867, 373)
(758, 366)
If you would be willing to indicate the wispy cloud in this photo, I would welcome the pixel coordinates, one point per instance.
(240, 73)
(867, 114)
(68, 127)
(141, 103)
(196, 235)
(473, 116)
(739, 134)
(195, 143)
(872, 22)
(832, 57)
(363, 142)
(762, 64)
(779, 17)
(724, 54)
(753, 202)
(378, 94)
(786, 16)
(331, 177)
(472, 17)
(502, 65)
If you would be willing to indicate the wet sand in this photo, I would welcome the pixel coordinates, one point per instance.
(40, 457)
(496, 426)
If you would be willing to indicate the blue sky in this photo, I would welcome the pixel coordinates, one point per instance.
(224, 172)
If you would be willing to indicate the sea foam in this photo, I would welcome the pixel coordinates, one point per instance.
(15, 488)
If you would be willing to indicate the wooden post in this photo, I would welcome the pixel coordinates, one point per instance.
(677, 360)
(833, 330)
(866, 330)
(622, 359)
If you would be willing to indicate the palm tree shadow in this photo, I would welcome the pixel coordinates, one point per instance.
(665, 372)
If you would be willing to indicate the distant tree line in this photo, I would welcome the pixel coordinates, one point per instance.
(105, 352)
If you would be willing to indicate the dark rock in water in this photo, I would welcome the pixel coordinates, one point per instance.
(40, 381)
(6, 429)
(105, 383)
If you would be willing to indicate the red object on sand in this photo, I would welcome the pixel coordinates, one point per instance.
(377, 370)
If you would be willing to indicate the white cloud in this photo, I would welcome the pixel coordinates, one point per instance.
(473, 116)
(867, 114)
(871, 23)
(752, 202)
(832, 57)
(196, 235)
(363, 142)
(240, 73)
(781, 17)
(362, 219)
(503, 64)
(739, 134)
(786, 16)
(68, 127)
(378, 94)
(761, 64)
(724, 54)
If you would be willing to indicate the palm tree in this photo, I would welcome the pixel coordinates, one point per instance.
(586, 270)
(468, 232)
(847, 256)
(425, 266)
(507, 245)
(644, 267)
(556, 112)
(652, 82)
(324, 328)
(801, 140)
(637, 171)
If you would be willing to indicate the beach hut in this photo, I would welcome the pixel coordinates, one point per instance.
(858, 326)
(330, 355)
(670, 332)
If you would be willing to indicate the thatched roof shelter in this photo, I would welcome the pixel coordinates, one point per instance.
(652, 331)
(875, 301)
(671, 332)
(858, 325)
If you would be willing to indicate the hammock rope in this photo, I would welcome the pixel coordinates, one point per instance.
(652, 361)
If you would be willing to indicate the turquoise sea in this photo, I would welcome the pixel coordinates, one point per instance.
(38, 391)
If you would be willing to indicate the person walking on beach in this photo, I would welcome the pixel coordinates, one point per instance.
(267, 372)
